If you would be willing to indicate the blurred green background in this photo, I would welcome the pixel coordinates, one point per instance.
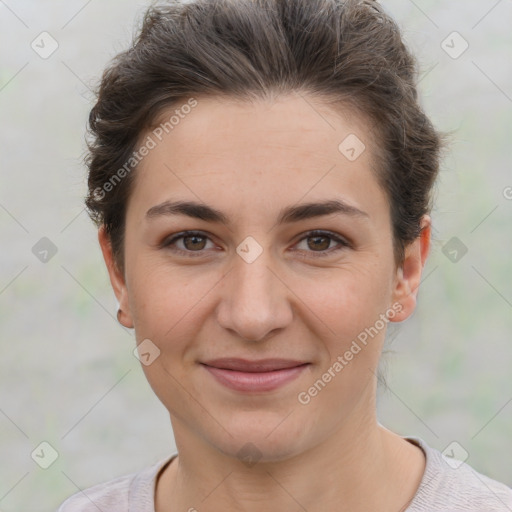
(67, 373)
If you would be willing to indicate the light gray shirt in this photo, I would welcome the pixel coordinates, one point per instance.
(446, 486)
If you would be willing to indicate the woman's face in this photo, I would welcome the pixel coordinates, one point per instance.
(256, 283)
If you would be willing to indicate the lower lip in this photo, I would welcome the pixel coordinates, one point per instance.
(261, 381)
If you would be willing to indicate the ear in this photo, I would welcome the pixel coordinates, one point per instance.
(117, 279)
(408, 276)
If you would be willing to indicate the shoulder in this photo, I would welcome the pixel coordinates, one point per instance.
(134, 491)
(112, 495)
(452, 485)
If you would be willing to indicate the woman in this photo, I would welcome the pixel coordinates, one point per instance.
(260, 172)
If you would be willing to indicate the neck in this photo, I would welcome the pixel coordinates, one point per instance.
(361, 466)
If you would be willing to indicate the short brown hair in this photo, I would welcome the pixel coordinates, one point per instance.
(348, 52)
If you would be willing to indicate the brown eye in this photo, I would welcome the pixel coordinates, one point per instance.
(194, 242)
(318, 243)
(188, 243)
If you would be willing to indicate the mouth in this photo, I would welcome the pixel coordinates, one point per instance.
(254, 376)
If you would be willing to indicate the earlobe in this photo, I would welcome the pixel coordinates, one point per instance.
(117, 279)
(408, 276)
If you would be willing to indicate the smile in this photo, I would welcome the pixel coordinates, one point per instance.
(242, 376)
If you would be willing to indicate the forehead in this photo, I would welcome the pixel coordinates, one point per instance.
(240, 152)
(300, 122)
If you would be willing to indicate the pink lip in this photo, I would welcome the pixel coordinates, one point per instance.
(263, 375)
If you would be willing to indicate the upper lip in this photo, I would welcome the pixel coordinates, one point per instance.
(260, 365)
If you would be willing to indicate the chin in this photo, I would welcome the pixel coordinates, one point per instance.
(257, 437)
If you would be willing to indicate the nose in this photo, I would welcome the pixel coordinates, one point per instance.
(255, 302)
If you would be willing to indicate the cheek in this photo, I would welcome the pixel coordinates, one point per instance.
(347, 300)
(167, 309)
(167, 303)
(351, 307)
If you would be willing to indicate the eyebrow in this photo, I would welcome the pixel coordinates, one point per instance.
(289, 214)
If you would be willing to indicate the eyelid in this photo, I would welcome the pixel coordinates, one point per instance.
(343, 243)
(325, 232)
(170, 240)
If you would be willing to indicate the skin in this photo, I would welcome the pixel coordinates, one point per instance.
(250, 160)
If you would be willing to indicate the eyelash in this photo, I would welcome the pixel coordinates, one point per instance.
(343, 244)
